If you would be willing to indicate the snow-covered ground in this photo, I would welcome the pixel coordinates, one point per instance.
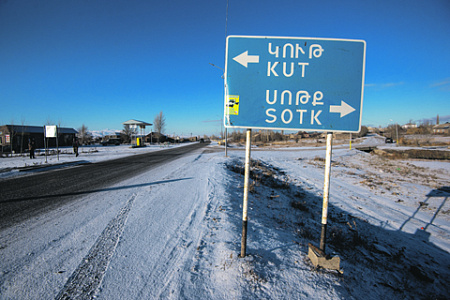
(175, 232)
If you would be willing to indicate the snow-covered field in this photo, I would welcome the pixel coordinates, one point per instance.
(175, 232)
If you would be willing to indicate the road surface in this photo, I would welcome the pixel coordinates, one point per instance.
(25, 197)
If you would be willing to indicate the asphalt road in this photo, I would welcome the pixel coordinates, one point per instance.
(25, 197)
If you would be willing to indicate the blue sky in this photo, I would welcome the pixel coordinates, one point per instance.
(101, 63)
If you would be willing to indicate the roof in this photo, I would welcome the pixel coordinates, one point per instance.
(442, 126)
(156, 134)
(137, 122)
(37, 129)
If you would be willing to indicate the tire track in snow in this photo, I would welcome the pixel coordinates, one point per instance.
(85, 280)
(174, 272)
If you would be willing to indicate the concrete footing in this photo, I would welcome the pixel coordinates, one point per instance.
(319, 259)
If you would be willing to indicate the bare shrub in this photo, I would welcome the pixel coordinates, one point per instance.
(300, 205)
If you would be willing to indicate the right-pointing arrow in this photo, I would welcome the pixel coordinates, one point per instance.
(244, 58)
(344, 109)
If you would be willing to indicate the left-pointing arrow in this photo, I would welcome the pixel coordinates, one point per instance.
(244, 59)
(344, 109)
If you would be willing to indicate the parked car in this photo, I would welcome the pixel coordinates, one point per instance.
(111, 142)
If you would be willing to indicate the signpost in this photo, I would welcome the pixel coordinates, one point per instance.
(283, 83)
(50, 131)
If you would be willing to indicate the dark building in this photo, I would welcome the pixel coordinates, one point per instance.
(18, 136)
(155, 137)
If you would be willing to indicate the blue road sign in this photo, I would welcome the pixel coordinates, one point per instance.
(309, 84)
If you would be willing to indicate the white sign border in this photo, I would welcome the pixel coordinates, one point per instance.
(293, 38)
(51, 131)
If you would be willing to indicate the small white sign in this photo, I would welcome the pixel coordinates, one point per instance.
(50, 131)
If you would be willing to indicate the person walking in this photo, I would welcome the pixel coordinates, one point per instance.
(75, 145)
(31, 147)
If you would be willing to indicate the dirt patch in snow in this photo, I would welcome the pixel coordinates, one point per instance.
(413, 154)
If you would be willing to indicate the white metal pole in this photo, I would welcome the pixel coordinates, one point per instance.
(326, 190)
(45, 146)
(245, 205)
(226, 142)
(57, 144)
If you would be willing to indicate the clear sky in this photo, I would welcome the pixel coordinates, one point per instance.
(103, 62)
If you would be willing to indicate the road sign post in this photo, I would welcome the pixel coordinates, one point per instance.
(282, 83)
(50, 131)
(245, 202)
(326, 190)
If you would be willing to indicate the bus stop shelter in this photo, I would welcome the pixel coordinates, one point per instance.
(138, 137)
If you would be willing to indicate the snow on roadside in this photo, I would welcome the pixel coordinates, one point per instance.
(284, 217)
(388, 220)
(172, 228)
(163, 258)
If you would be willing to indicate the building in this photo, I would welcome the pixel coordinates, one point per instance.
(409, 126)
(18, 136)
(442, 129)
(155, 137)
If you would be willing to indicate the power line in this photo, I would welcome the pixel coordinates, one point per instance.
(226, 21)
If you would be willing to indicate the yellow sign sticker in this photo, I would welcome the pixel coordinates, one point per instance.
(233, 105)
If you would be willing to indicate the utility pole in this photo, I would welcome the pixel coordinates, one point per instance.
(221, 132)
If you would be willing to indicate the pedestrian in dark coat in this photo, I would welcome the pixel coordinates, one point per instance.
(75, 145)
(31, 147)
